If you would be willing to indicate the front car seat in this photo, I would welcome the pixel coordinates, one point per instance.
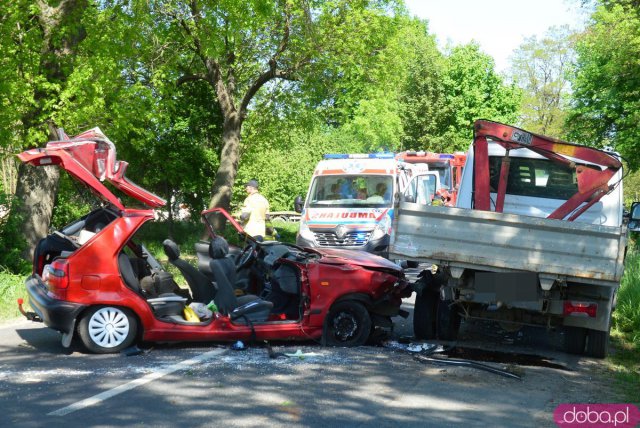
(202, 289)
(244, 308)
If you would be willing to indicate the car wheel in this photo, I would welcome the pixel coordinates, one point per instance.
(107, 329)
(348, 324)
(424, 315)
(575, 339)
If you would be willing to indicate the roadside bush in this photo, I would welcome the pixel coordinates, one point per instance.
(11, 287)
(12, 242)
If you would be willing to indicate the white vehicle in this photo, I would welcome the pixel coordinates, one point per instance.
(538, 238)
(351, 198)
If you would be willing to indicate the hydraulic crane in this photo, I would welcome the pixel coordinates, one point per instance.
(592, 176)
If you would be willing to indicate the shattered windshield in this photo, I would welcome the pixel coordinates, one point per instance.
(375, 191)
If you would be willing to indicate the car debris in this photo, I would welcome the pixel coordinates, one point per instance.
(465, 363)
(424, 352)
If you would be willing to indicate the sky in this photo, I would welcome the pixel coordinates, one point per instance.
(499, 26)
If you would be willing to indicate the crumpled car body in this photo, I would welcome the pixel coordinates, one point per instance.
(94, 280)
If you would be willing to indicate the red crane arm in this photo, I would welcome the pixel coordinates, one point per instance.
(592, 179)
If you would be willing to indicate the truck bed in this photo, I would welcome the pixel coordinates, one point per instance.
(490, 241)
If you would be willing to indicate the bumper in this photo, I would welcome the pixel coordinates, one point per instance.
(56, 314)
(379, 247)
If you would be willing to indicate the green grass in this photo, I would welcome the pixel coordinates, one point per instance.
(625, 361)
(11, 287)
(287, 231)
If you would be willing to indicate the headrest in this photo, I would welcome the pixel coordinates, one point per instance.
(171, 249)
(218, 248)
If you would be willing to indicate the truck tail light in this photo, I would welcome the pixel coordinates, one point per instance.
(580, 309)
(58, 274)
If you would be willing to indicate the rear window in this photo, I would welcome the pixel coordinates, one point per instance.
(538, 178)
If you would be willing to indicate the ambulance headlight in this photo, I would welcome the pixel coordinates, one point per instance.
(383, 228)
(306, 233)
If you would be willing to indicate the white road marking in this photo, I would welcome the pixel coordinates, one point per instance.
(135, 383)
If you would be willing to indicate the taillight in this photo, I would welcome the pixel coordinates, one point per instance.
(58, 274)
(580, 309)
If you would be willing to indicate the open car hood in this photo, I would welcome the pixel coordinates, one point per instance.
(90, 157)
(360, 258)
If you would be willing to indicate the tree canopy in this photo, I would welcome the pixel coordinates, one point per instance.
(200, 96)
(606, 89)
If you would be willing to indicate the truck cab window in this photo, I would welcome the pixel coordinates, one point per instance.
(538, 178)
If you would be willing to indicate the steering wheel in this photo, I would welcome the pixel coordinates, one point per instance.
(246, 257)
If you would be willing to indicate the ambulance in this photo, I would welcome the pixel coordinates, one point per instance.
(351, 198)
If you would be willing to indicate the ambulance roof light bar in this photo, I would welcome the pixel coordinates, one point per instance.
(381, 155)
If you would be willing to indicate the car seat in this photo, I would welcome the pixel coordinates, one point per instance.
(284, 291)
(166, 304)
(202, 289)
(219, 249)
(248, 308)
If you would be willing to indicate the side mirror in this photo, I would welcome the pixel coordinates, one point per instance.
(634, 217)
(297, 204)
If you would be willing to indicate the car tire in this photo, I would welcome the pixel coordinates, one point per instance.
(448, 324)
(348, 324)
(575, 339)
(107, 329)
(424, 315)
(597, 343)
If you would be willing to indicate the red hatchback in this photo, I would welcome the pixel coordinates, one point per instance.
(95, 280)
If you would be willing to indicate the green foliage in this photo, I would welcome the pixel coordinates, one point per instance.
(423, 93)
(606, 101)
(631, 188)
(627, 313)
(283, 163)
(541, 68)
(473, 90)
(11, 288)
(626, 329)
(72, 202)
(12, 241)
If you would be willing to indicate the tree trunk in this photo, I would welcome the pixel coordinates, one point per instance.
(37, 187)
(226, 175)
(35, 196)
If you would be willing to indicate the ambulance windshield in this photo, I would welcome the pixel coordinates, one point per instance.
(374, 191)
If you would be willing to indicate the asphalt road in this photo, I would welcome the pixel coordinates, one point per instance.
(208, 385)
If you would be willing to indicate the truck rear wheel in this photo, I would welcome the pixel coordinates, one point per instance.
(597, 343)
(424, 315)
(449, 319)
(575, 339)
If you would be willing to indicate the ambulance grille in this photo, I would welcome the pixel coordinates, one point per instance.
(351, 239)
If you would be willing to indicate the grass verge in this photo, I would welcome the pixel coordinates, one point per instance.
(11, 287)
(625, 336)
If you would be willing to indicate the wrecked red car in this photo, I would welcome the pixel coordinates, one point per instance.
(93, 280)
